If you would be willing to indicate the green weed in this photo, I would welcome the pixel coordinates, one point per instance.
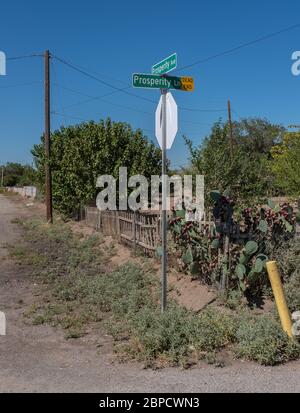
(261, 339)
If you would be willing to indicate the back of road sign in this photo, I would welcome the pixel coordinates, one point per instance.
(172, 121)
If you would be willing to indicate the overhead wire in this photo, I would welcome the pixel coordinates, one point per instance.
(239, 47)
(67, 115)
(103, 82)
(21, 84)
(92, 98)
(122, 90)
(24, 56)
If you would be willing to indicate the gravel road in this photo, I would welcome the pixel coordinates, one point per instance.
(39, 359)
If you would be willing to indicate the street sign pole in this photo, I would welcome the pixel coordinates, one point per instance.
(166, 128)
(164, 201)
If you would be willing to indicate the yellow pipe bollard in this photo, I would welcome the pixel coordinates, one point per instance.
(280, 300)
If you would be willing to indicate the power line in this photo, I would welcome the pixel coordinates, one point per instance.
(202, 110)
(234, 49)
(99, 74)
(195, 123)
(103, 82)
(123, 90)
(235, 112)
(56, 77)
(71, 90)
(66, 115)
(24, 56)
(92, 98)
(20, 84)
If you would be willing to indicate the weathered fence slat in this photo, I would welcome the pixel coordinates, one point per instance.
(135, 229)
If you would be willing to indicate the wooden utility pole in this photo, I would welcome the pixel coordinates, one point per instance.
(48, 183)
(230, 130)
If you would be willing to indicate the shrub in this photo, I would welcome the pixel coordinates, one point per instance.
(214, 330)
(165, 335)
(262, 340)
(292, 290)
(178, 333)
(288, 258)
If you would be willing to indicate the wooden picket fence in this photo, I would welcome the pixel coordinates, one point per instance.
(143, 229)
(134, 229)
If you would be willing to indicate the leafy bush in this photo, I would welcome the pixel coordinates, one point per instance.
(81, 153)
(214, 330)
(246, 171)
(286, 163)
(288, 258)
(292, 290)
(15, 174)
(162, 335)
(178, 333)
(261, 339)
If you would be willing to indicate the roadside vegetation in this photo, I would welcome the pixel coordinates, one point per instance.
(262, 162)
(16, 174)
(79, 288)
(82, 153)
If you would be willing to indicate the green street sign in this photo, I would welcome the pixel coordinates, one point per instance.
(166, 65)
(158, 82)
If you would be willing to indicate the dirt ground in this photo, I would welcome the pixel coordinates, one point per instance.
(188, 293)
(39, 359)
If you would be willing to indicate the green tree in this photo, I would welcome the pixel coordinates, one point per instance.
(16, 174)
(286, 164)
(245, 174)
(79, 154)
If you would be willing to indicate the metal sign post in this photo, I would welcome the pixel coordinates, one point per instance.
(166, 119)
(164, 201)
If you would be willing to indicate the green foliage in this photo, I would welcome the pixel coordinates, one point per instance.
(288, 259)
(200, 250)
(261, 339)
(286, 164)
(81, 153)
(196, 247)
(15, 174)
(251, 248)
(246, 174)
(214, 330)
(231, 299)
(271, 227)
(250, 265)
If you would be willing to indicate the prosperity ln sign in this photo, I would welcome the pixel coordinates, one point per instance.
(166, 65)
(184, 83)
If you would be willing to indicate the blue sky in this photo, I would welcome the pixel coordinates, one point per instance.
(116, 38)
